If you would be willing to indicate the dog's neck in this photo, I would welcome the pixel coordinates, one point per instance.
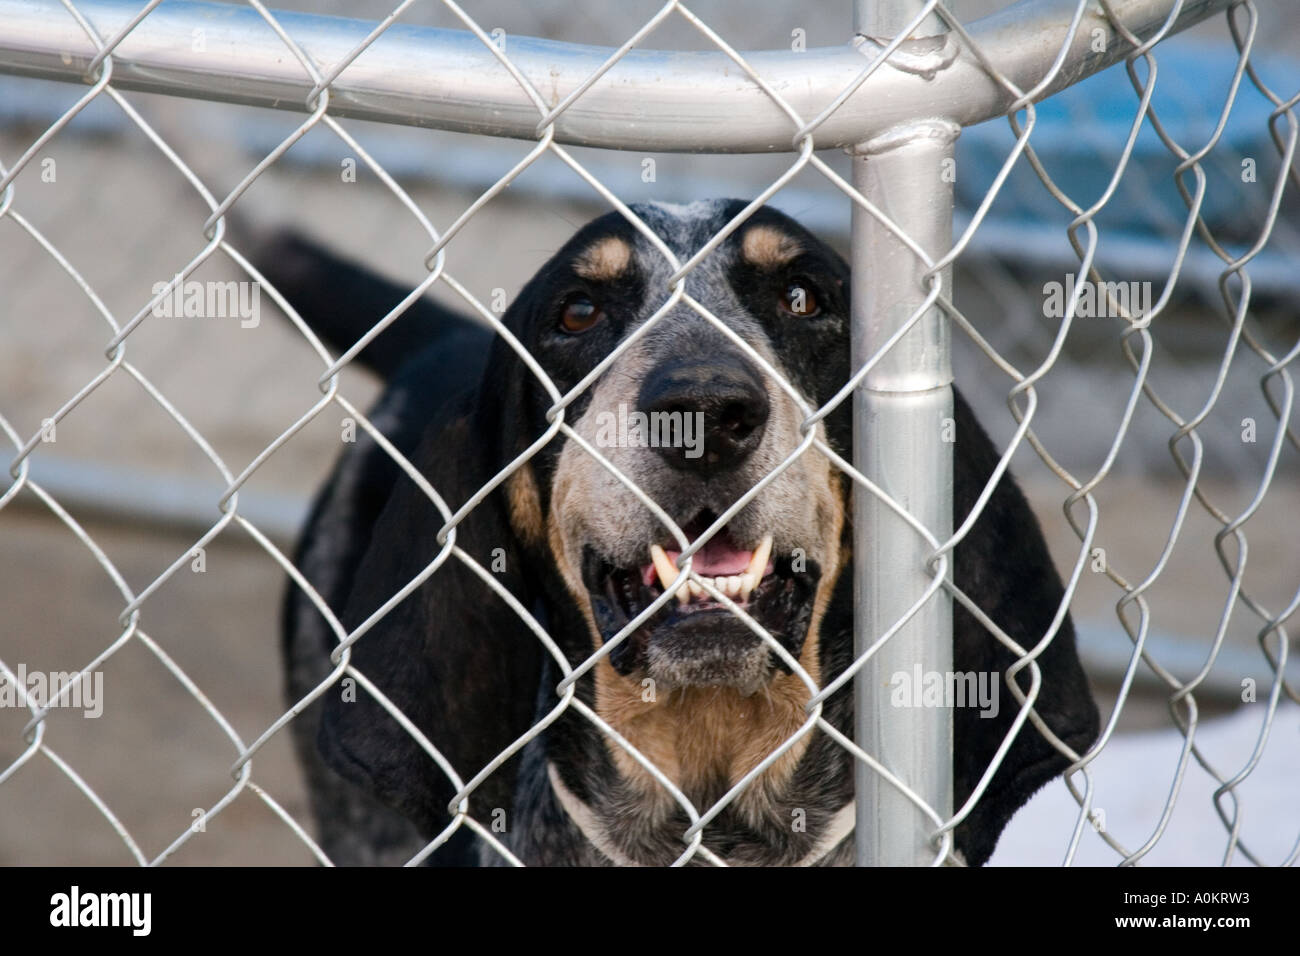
(595, 831)
(704, 739)
(800, 815)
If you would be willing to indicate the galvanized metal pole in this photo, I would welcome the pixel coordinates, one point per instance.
(658, 100)
(902, 433)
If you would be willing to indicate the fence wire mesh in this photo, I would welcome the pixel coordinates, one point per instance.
(1246, 342)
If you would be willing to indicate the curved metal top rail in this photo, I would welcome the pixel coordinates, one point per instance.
(650, 100)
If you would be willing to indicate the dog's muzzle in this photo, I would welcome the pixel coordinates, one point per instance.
(695, 638)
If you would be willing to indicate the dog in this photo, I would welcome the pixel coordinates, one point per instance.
(693, 688)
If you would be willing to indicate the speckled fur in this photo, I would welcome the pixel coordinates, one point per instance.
(474, 678)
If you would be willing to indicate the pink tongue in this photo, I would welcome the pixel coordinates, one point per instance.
(717, 557)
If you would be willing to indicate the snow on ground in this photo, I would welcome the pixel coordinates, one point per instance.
(1134, 774)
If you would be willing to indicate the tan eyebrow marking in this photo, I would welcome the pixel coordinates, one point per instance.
(768, 247)
(604, 260)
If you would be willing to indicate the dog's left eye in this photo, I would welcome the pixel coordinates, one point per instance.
(800, 299)
(580, 314)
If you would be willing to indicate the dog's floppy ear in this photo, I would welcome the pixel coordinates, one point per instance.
(1004, 566)
(453, 656)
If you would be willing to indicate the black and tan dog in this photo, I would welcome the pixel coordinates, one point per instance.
(584, 556)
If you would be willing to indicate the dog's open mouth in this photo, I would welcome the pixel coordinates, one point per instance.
(694, 639)
(729, 569)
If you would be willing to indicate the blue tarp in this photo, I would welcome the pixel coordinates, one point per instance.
(1080, 134)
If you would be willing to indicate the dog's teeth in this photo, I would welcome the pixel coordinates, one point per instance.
(666, 570)
(737, 587)
(757, 565)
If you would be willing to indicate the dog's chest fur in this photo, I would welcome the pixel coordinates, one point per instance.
(622, 832)
(788, 819)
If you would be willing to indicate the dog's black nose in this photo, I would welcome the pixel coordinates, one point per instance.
(709, 416)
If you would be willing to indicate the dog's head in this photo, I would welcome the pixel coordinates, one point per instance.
(690, 416)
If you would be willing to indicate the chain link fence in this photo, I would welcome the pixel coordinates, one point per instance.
(895, 94)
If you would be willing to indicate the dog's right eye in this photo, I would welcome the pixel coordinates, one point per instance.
(579, 314)
(800, 299)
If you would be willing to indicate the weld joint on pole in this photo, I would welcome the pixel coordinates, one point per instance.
(925, 57)
(934, 129)
(921, 56)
